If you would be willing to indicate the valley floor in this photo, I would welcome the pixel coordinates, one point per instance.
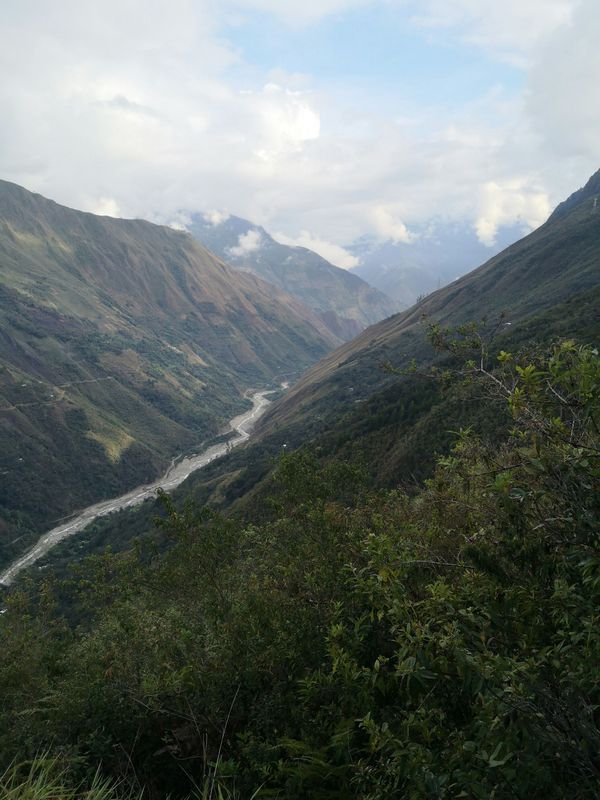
(179, 470)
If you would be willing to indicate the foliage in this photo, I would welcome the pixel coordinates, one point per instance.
(355, 643)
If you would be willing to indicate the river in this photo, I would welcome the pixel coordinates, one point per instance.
(178, 471)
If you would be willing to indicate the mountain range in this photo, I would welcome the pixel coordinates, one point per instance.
(156, 338)
(544, 286)
(393, 591)
(347, 406)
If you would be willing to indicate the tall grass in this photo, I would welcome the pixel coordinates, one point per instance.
(43, 779)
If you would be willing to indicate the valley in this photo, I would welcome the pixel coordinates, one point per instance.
(121, 344)
(300, 400)
(179, 471)
(406, 545)
(344, 302)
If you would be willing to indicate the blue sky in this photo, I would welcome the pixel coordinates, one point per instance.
(323, 120)
(378, 53)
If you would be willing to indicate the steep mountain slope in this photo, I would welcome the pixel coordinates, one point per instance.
(121, 343)
(551, 265)
(440, 253)
(345, 303)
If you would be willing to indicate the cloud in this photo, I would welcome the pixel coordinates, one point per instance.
(216, 217)
(330, 252)
(106, 207)
(286, 120)
(505, 205)
(123, 109)
(248, 242)
(389, 227)
(509, 30)
(563, 95)
(296, 13)
(180, 222)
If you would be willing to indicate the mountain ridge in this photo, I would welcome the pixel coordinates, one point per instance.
(344, 301)
(590, 191)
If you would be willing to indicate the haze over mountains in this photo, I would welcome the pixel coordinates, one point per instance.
(394, 273)
(345, 302)
(556, 264)
(434, 255)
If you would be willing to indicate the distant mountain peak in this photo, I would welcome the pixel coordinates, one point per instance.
(343, 300)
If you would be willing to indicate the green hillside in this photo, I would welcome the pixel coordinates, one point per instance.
(404, 607)
(359, 643)
(122, 343)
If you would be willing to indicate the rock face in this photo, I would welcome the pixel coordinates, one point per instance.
(345, 302)
(121, 343)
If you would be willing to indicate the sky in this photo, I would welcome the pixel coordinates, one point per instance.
(322, 120)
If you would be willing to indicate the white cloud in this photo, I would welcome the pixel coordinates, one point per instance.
(507, 204)
(216, 217)
(106, 207)
(121, 108)
(248, 242)
(330, 252)
(180, 222)
(297, 12)
(389, 227)
(563, 93)
(509, 29)
(286, 120)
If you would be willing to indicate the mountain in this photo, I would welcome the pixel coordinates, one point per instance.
(439, 253)
(347, 629)
(555, 267)
(344, 301)
(359, 643)
(121, 344)
(348, 407)
(547, 284)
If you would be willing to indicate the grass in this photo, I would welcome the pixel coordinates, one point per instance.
(44, 779)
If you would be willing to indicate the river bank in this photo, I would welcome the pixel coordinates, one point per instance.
(179, 470)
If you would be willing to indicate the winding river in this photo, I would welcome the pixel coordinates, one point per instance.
(178, 471)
